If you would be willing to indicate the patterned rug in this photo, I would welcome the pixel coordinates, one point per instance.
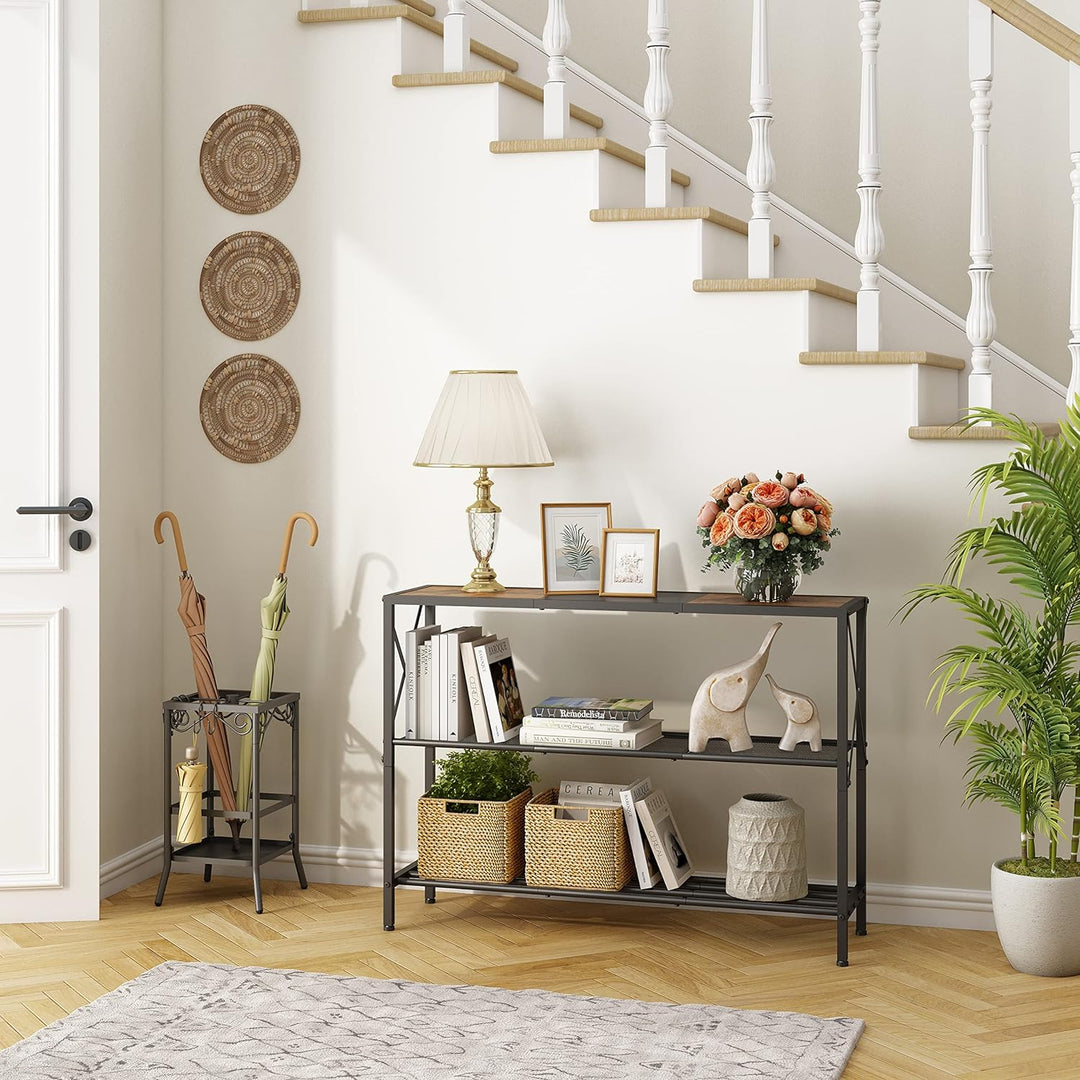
(211, 1020)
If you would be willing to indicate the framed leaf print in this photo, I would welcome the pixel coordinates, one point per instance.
(571, 535)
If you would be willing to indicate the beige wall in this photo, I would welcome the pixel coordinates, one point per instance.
(925, 135)
(131, 422)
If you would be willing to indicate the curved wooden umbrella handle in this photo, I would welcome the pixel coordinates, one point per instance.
(289, 529)
(181, 555)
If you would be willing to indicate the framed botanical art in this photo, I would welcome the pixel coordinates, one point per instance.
(571, 535)
(629, 562)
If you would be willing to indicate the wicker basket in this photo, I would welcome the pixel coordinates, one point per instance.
(486, 846)
(566, 854)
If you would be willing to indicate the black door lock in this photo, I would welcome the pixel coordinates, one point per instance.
(80, 540)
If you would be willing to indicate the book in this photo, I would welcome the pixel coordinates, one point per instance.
(667, 844)
(424, 727)
(611, 740)
(405, 725)
(565, 724)
(588, 793)
(471, 687)
(498, 682)
(568, 708)
(454, 712)
(648, 873)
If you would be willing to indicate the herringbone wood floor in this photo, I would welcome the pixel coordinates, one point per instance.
(938, 1003)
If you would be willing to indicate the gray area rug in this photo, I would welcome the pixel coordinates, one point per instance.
(211, 1020)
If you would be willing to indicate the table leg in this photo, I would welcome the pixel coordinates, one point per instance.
(208, 868)
(294, 836)
(389, 869)
(429, 779)
(254, 805)
(860, 769)
(842, 780)
(166, 832)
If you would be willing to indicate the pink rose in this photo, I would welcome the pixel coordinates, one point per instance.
(721, 530)
(780, 541)
(804, 521)
(753, 521)
(770, 493)
(707, 514)
(722, 491)
(737, 501)
(752, 478)
(804, 495)
(789, 480)
(824, 521)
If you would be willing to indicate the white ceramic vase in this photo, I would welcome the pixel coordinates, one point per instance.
(1038, 921)
(766, 857)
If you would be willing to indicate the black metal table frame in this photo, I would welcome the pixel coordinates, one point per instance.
(188, 712)
(847, 753)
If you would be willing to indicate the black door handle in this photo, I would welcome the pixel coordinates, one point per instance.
(79, 509)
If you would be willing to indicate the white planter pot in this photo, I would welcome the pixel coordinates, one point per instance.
(766, 857)
(1038, 921)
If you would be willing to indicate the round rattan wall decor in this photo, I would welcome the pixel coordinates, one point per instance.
(249, 408)
(250, 159)
(250, 286)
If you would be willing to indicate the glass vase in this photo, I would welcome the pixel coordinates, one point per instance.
(767, 584)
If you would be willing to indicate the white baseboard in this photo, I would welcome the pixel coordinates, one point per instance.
(905, 905)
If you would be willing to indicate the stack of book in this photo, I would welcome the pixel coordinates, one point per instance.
(608, 723)
(459, 684)
(657, 846)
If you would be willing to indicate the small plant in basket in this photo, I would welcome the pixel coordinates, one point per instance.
(482, 775)
(771, 531)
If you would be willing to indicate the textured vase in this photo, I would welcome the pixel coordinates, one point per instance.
(1038, 922)
(766, 857)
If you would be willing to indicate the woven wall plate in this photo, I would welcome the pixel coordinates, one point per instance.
(249, 408)
(250, 286)
(250, 159)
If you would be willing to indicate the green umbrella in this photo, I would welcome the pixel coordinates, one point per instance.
(274, 610)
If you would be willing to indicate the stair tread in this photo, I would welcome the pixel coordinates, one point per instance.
(800, 284)
(954, 433)
(884, 357)
(421, 5)
(476, 78)
(607, 146)
(675, 213)
(321, 16)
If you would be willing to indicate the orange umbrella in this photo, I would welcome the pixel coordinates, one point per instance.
(192, 612)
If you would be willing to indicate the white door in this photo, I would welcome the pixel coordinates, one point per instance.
(48, 457)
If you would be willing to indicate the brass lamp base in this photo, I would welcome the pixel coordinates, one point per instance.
(483, 518)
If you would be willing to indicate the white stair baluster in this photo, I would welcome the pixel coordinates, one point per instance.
(760, 168)
(1074, 294)
(556, 99)
(658, 103)
(455, 37)
(981, 323)
(869, 238)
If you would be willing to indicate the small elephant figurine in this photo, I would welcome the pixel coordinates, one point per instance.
(803, 719)
(719, 708)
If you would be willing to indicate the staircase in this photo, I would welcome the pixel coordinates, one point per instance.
(696, 211)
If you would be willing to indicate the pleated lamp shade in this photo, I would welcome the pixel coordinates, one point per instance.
(483, 419)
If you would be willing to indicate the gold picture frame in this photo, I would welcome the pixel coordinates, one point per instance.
(587, 523)
(617, 576)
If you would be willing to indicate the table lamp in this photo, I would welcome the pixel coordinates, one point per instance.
(483, 420)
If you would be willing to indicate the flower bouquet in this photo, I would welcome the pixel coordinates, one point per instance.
(771, 531)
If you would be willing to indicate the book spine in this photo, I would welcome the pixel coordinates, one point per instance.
(405, 726)
(630, 740)
(487, 689)
(436, 686)
(453, 664)
(472, 688)
(555, 712)
(423, 692)
(634, 834)
(563, 724)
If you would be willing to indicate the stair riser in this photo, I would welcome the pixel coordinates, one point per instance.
(423, 51)
(935, 395)
(521, 117)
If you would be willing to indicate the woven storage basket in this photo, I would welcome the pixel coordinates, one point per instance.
(486, 846)
(565, 854)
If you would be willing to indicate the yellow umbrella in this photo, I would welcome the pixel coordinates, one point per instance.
(191, 776)
(273, 610)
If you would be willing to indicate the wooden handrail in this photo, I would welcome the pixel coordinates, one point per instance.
(1038, 26)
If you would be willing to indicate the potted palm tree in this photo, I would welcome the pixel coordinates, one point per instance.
(1015, 694)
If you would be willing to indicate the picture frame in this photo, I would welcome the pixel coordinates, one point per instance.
(629, 562)
(571, 536)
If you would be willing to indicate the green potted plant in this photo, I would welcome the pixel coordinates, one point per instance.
(1017, 691)
(471, 824)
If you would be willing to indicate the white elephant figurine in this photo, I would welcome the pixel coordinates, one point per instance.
(719, 708)
(803, 718)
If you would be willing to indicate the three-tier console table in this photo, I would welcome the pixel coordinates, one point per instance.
(845, 755)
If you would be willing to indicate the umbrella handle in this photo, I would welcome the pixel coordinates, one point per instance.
(181, 555)
(289, 535)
